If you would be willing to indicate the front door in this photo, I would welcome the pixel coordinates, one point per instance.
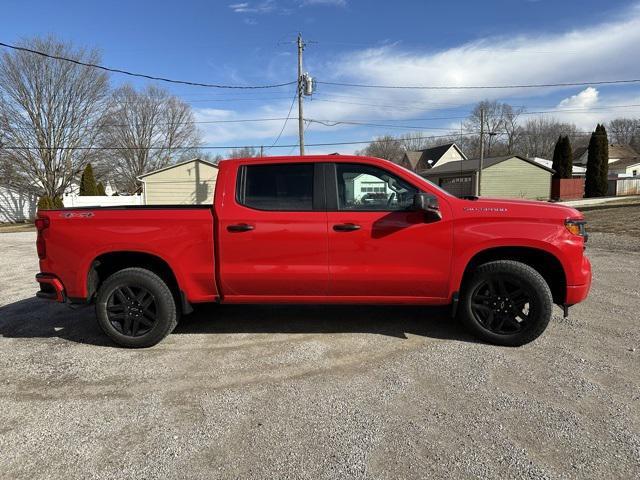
(378, 246)
(273, 233)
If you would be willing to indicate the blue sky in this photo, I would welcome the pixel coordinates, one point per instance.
(380, 42)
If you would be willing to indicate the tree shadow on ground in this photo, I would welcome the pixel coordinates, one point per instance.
(36, 318)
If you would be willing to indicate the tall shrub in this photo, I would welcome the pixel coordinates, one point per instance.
(88, 185)
(557, 160)
(48, 203)
(597, 164)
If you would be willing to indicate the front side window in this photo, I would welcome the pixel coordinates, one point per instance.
(363, 187)
(284, 187)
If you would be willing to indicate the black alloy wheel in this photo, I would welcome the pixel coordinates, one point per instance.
(136, 308)
(501, 305)
(132, 310)
(505, 302)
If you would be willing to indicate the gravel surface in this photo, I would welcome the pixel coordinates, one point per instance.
(321, 392)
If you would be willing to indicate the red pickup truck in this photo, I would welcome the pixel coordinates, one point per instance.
(318, 229)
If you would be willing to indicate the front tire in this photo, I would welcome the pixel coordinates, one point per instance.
(136, 308)
(506, 303)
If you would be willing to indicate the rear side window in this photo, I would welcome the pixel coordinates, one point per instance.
(286, 186)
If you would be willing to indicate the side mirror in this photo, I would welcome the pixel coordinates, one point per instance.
(428, 204)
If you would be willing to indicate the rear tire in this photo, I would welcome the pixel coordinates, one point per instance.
(136, 308)
(506, 303)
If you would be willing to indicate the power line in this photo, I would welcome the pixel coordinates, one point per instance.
(229, 147)
(142, 75)
(284, 125)
(478, 87)
(329, 123)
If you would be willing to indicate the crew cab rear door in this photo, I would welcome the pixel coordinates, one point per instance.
(378, 246)
(272, 232)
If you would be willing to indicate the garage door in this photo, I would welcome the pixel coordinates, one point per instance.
(457, 186)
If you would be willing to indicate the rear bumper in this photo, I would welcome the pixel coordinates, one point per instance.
(51, 287)
(577, 293)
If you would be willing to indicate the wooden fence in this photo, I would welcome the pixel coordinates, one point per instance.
(620, 187)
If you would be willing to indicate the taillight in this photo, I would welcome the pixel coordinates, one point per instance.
(42, 224)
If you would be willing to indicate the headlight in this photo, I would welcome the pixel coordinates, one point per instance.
(577, 227)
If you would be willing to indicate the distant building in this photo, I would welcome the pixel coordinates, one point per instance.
(623, 159)
(509, 176)
(187, 183)
(421, 160)
(577, 170)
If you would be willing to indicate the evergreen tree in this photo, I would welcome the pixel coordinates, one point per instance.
(597, 164)
(88, 182)
(100, 189)
(47, 203)
(557, 160)
(566, 158)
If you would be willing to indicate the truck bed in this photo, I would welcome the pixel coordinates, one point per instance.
(178, 235)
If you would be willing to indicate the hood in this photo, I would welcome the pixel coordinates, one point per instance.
(503, 207)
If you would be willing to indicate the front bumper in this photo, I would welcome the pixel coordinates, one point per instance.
(577, 293)
(51, 287)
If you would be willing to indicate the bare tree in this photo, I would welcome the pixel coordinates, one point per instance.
(511, 126)
(414, 141)
(387, 147)
(493, 122)
(243, 152)
(48, 111)
(209, 157)
(144, 131)
(625, 131)
(538, 136)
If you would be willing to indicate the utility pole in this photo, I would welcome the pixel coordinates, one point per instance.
(478, 185)
(300, 93)
(262, 150)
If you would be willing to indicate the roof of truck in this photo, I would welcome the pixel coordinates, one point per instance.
(306, 158)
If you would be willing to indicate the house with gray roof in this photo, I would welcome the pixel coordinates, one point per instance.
(421, 160)
(509, 176)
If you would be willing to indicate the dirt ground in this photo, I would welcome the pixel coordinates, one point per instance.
(321, 392)
(618, 219)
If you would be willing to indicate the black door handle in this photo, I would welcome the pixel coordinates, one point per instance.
(240, 227)
(346, 227)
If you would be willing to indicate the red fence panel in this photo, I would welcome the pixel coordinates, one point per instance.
(567, 188)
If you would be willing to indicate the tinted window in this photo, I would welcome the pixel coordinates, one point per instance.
(362, 187)
(278, 187)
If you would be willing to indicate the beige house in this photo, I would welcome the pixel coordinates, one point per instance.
(421, 160)
(187, 183)
(510, 176)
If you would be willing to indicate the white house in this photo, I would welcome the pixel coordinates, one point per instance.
(16, 206)
(577, 170)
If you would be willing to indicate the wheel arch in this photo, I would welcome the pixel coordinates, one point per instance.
(544, 262)
(106, 264)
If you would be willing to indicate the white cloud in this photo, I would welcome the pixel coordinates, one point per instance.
(585, 99)
(601, 52)
(336, 3)
(265, 6)
(588, 108)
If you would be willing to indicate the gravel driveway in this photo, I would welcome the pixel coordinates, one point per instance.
(321, 392)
